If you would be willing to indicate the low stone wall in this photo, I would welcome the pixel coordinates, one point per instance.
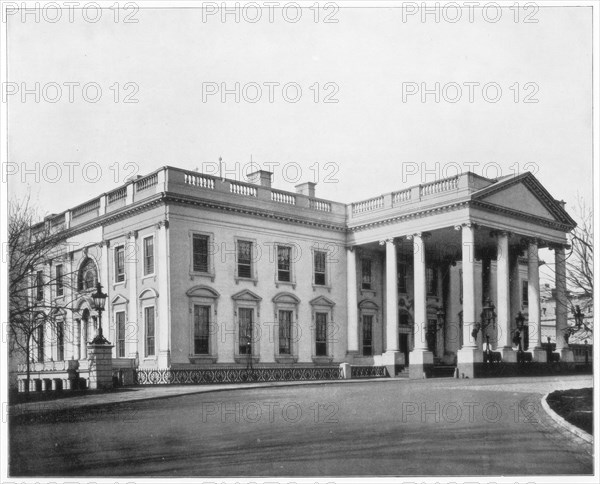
(501, 369)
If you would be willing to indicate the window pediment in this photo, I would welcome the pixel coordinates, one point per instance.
(368, 304)
(119, 299)
(286, 298)
(246, 295)
(148, 293)
(203, 291)
(322, 301)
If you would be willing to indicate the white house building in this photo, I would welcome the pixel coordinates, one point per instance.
(206, 273)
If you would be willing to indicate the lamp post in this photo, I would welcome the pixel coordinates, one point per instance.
(587, 361)
(99, 299)
(520, 320)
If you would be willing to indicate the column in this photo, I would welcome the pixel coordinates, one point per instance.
(469, 355)
(421, 360)
(391, 296)
(503, 298)
(420, 291)
(352, 300)
(468, 268)
(533, 294)
(77, 342)
(163, 323)
(560, 264)
(132, 306)
(107, 324)
(392, 359)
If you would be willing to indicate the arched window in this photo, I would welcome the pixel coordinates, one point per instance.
(88, 275)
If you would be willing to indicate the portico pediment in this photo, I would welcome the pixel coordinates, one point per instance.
(523, 194)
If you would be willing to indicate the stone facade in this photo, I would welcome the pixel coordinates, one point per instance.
(202, 271)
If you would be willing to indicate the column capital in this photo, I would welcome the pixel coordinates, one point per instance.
(422, 235)
(386, 241)
(162, 223)
(104, 243)
(498, 233)
(132, 234)
(469, 225)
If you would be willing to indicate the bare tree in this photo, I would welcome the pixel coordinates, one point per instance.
(38, 296)
(580, 271)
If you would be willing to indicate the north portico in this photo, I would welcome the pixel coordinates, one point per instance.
(486, 228)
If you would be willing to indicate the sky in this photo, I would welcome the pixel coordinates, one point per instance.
(380, 99)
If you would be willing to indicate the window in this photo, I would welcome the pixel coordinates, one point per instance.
(525, 293)
(284, 273)
(39, 285)
(88, 275)
(149, 319)
(244, 261)
(201, 329)
(148, 256)
(320, 259)
(367, 343)
(200, 253)
(432, 281)
(285, 332)
(119, 264)
(40, 342)
(245, 330)
(321, 334)
(59, 280)
(60, 341)
(366, 274)
(120, 316)
(402, 278)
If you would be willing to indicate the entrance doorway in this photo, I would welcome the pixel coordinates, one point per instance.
(404, 347)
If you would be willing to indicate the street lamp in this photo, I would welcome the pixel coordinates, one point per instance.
(488, 316)
(99, 299)
(578, 315)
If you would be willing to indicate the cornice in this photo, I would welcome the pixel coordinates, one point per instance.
(410, 215)
(252, 211)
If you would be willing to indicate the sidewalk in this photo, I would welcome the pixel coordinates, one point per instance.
(139, 393)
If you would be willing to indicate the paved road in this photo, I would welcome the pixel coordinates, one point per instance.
(384, 428)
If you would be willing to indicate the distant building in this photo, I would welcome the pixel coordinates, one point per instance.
(205, 272)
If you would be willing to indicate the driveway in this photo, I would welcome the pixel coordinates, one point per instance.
(383, 428)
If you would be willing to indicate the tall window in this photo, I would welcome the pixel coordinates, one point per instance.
(432, 281)
(200, 253)
(39, 285)
(150, 329)
(201, 329)
(245, 330)
(88, 275)
(525, 293)
(320, 265)
(60, 340)
(285, 332)
(283, 263)
(367, 343)
(366, 274)
(119, 264)
(402, 278)
(120, 334)
(40, 342)
(59, 280)
(321, 334)
(148, 255)
(244, 261)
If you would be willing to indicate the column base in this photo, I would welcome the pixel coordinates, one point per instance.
(539, 355)
(566, 355)
(392, 360)
(421, 363)
(466, 359)
(508, 354)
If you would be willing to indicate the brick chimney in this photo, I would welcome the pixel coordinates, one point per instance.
(260, 177)
(307, 188)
